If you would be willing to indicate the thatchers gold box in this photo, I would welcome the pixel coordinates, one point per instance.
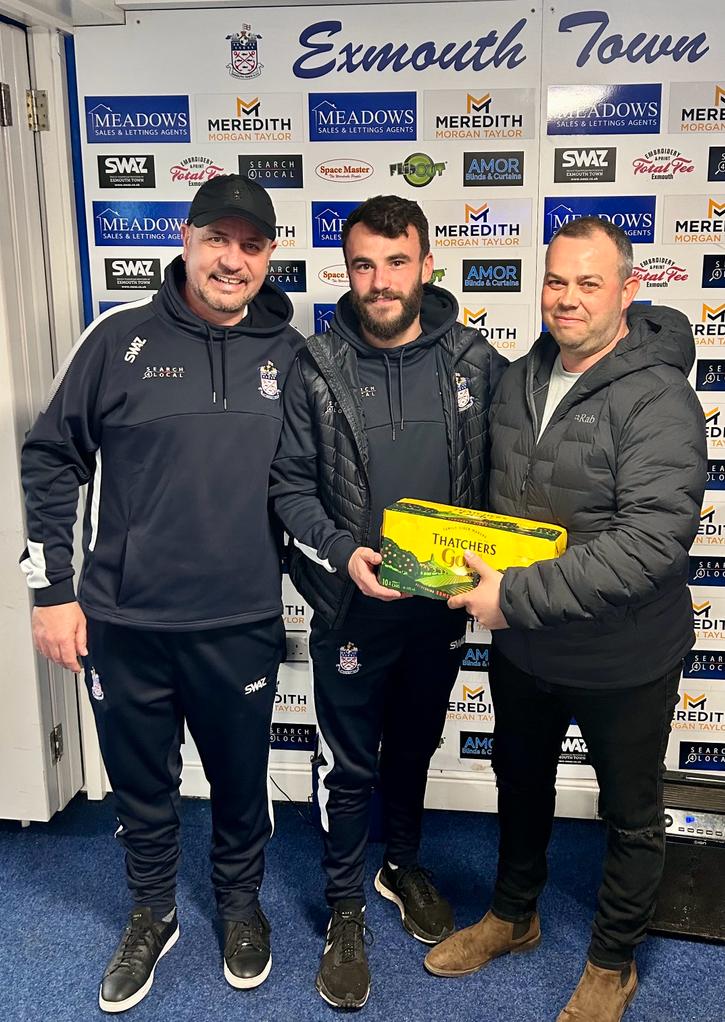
(422, 545)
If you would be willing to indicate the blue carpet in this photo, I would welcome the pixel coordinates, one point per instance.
(64, 905)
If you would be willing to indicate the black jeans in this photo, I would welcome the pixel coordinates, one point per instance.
(626, 733)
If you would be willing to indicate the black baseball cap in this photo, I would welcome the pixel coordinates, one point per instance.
(233, 195)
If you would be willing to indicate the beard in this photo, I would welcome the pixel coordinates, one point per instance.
(387, 328)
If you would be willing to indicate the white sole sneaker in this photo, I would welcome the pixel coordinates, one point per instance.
(249, 983)
(114, 1007)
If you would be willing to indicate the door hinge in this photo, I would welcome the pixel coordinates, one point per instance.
(56, 744)
(36, 102)
(6, 109)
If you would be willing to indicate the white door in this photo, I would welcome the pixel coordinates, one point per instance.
(40, 760)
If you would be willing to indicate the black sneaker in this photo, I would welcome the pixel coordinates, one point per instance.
(247, 957)
(344, 977)
(130, 972)
(426, 915)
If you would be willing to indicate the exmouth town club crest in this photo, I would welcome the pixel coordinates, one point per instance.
(244, 53)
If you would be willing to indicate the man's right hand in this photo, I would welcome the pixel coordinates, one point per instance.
(59, 633)
(361, 569)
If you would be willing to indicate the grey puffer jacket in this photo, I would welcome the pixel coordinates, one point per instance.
(622, 466)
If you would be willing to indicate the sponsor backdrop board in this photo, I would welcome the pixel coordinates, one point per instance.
(621, 113)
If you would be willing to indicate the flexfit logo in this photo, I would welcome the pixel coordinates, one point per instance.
(603, 109)
(139, 223)
(289, 275)
(488, 114)
(662, 164)
(713, 271)
(300, 737)
(709, 619)
(193, 171)
(635, 214)
(344, 171)
(126, 172)
(418, 169)
(494, 275)
(323, 313)
(260, 118)
(694, 220)
(493, 168)
(137, 119)
(660, 272)
(499, 47)
(704, 665)
(274, 170)
(707, 571)
(582, 166)
(500, 223)
(694, 712)
(702, 756)
(362, 116)
(327, 221)
(607, 48)
(711, 531)
(133, 274)
(716, 163)
(710, 373)
(335, 275)
(697, 106)
(475, 745)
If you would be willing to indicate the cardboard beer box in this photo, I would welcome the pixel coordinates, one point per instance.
(422, 546)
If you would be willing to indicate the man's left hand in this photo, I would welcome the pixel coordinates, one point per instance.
(482, 603)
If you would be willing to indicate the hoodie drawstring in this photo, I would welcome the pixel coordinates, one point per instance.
(225, 338)
(400, 391)
(210, 353)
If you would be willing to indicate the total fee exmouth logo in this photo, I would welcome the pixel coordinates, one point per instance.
(362, 116)
(604, 109)
(139, 223)
(634, 214)
(137, 119)
(327, 221)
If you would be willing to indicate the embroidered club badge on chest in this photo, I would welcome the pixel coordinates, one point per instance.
(348, 662)
(268, 380)
(463, 394)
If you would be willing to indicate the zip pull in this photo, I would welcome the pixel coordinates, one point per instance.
(526, 477)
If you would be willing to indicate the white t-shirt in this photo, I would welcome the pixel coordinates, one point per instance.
(560, 383)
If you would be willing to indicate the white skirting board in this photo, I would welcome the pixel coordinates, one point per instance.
(576, 797)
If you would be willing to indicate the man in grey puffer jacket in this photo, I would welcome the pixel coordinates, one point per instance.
(597, 430)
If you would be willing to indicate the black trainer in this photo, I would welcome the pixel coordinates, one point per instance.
(426, 915)
(130, 972)
(247, 956)
(344, 977)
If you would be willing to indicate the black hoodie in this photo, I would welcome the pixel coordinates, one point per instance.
(174, 423)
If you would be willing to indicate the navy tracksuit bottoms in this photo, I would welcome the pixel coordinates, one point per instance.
(143, 686)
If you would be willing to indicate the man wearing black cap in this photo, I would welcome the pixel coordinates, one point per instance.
(169, 409)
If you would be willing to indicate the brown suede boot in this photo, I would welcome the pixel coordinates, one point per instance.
(470, 949)
(603, 995)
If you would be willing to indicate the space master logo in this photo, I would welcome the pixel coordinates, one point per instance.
(137, 119)
(604, 109)
(327, 221)
(139, 223)
(634, 214)
(363, 116)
